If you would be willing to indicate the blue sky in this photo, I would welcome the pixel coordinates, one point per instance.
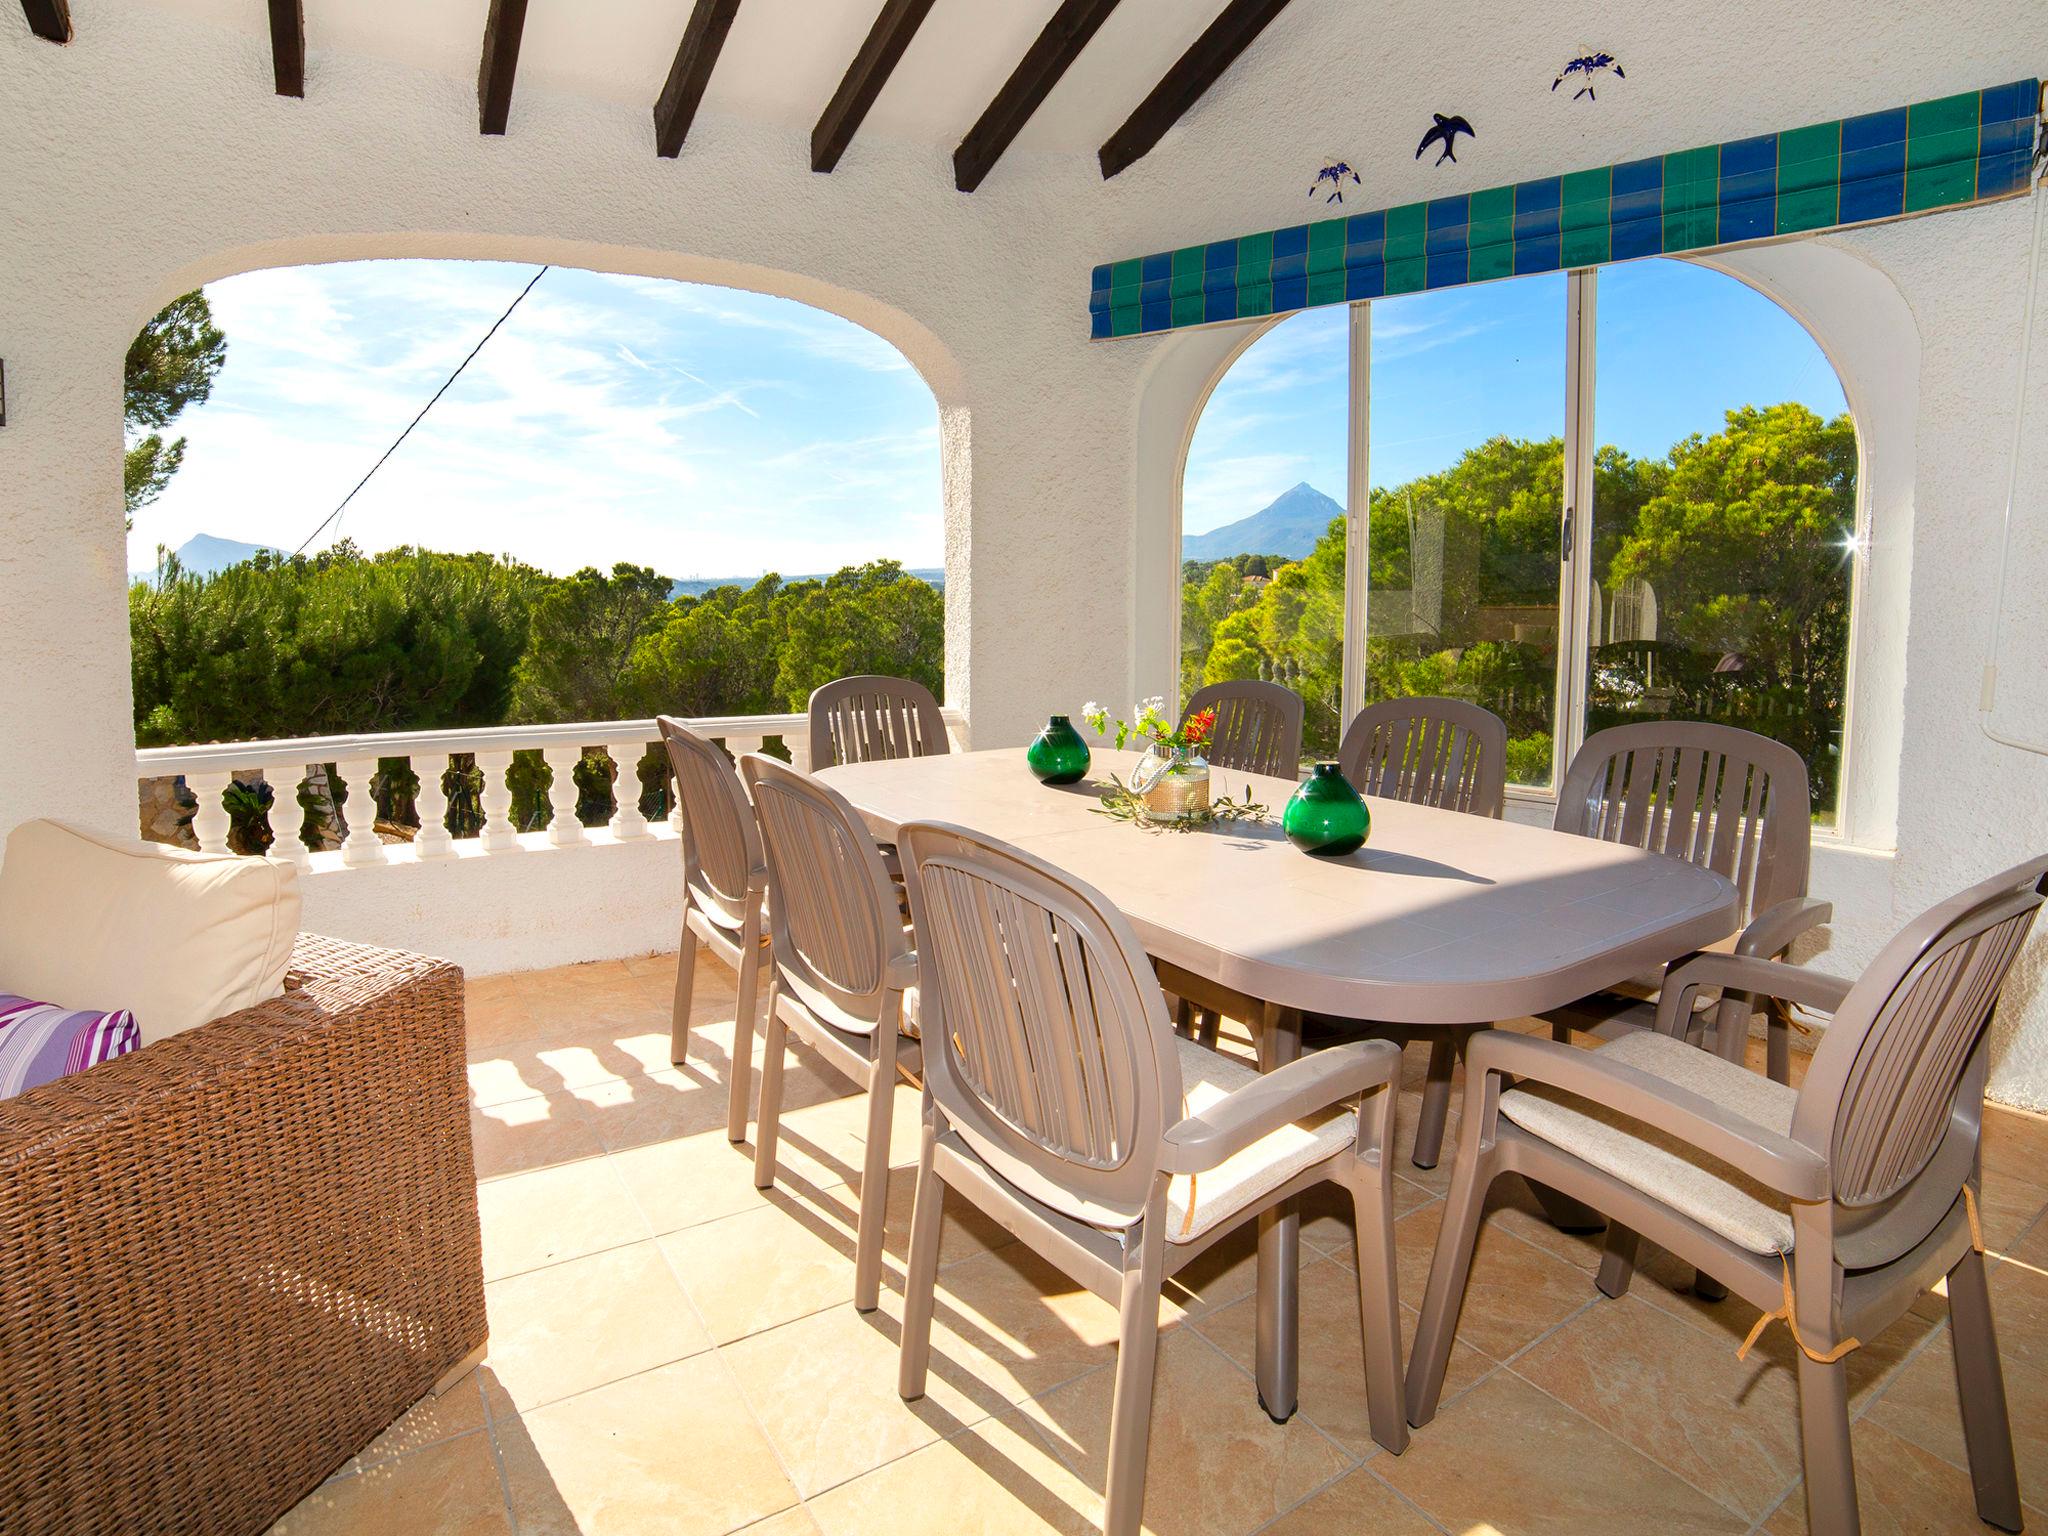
(1678, 345)
(711, 432)
(703, 431)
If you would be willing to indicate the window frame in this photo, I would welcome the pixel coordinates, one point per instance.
(1575, 533)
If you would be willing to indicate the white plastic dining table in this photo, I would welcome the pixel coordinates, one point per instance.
(1442, 918)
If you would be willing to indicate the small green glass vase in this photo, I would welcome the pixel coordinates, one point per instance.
(1057, 754)
(1325, 816)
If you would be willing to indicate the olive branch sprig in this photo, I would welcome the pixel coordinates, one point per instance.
(1119, 803)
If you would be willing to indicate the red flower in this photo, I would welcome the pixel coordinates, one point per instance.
(1198, 727)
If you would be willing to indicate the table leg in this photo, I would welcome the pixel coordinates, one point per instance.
(1436, 1100)
(1279, 1285)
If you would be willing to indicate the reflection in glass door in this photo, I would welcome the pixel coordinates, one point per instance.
(1724, 516)
(1467, 439)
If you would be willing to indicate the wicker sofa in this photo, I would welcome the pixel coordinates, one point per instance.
(228, 1260)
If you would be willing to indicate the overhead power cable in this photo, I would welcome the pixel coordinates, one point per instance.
(351, 496)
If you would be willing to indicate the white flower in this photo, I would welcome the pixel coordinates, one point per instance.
(1091, 709)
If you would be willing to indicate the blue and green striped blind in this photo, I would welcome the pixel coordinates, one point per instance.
(1948, 153)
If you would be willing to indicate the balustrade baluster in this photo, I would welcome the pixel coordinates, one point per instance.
(564, 830)
(286, 817)
(362, 845)
(499, 834)
(210, 823)
(627, 821)
(431, 800)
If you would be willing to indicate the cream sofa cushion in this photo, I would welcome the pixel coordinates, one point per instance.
(175, 937)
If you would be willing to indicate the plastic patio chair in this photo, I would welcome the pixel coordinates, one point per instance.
(1839, 1202)
(842, 968)
(871, 718)
(724, 878)
(1258, 727)
(1429, 751)
(1059, 1101)
(1718, 796)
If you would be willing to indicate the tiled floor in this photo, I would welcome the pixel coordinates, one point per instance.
(673, 1350)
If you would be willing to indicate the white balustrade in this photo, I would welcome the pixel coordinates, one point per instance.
(564, 829)
(498, 834)
(286, 846)
(210, 823)
(362, 845)
(431, 801)
(208, 771)
(627, 822)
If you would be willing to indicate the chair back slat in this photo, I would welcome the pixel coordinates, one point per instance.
(1448, 753)
(1046, 1038)
(871, 718)
(832, 908)
(1894, 1096)
(1258, 727)
(1713, 795)
(721, 847)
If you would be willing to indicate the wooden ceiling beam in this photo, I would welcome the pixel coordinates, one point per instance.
(48, 19)
(691, 72)
(288, 46)
(1198, 69)
(1072, 25)
(865, 77)
(500, 63)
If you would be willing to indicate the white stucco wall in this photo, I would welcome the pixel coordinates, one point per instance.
(150, 155)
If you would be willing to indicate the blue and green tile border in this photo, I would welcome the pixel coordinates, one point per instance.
(1946, 153)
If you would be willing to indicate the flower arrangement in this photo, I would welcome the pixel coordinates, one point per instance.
(1151, 725)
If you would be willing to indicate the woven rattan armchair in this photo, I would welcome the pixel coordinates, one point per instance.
(229, 1260)
(1832, 1206)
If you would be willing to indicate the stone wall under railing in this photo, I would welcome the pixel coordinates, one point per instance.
(501, 899)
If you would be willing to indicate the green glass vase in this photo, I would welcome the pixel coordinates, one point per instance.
(1325, 816)
(1057, 754)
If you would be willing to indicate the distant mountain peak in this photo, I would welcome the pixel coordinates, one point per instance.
(206, 554)
(1288, 525)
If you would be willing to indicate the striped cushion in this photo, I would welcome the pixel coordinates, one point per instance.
(40, 1042)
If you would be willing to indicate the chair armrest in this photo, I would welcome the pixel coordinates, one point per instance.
(1258, 1109)
(1790, 1167)
(1771, 932)
(1744, 973)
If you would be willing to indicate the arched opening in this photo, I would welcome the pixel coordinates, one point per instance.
(412, 495)
(1680, 543)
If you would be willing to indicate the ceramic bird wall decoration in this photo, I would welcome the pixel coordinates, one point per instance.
(1587, 69)
(1445, 132)
(1334, 172)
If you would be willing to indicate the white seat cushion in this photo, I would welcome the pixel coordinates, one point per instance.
(1205, 1077)
(175, 937)
(1664, 1166)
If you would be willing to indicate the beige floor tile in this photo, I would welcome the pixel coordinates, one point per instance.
(669, 1450)
(1358, 1504)
(449, 1489)
(784, 1259)
(661, 1105)
(2015, 1140)
(1221, 1274)
(431, 1420)
(520, 1135)
(1506, 1458)
(965, 1232)
(1216, 1462)
(1007, 1325)
(791, 1522)
(695, 1179)
(1513, 1207)
(998, 1477)
(1901, 1490)
(1327, 1218)
(539, 1218)
(824, 1390)
(1516, 1291)
(570, 1327)
(527, 1067)
(1332, 1351)
(1678, 1395)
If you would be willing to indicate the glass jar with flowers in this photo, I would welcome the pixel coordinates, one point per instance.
(1171, 781)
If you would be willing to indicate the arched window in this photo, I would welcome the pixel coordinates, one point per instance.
(1594, 497)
